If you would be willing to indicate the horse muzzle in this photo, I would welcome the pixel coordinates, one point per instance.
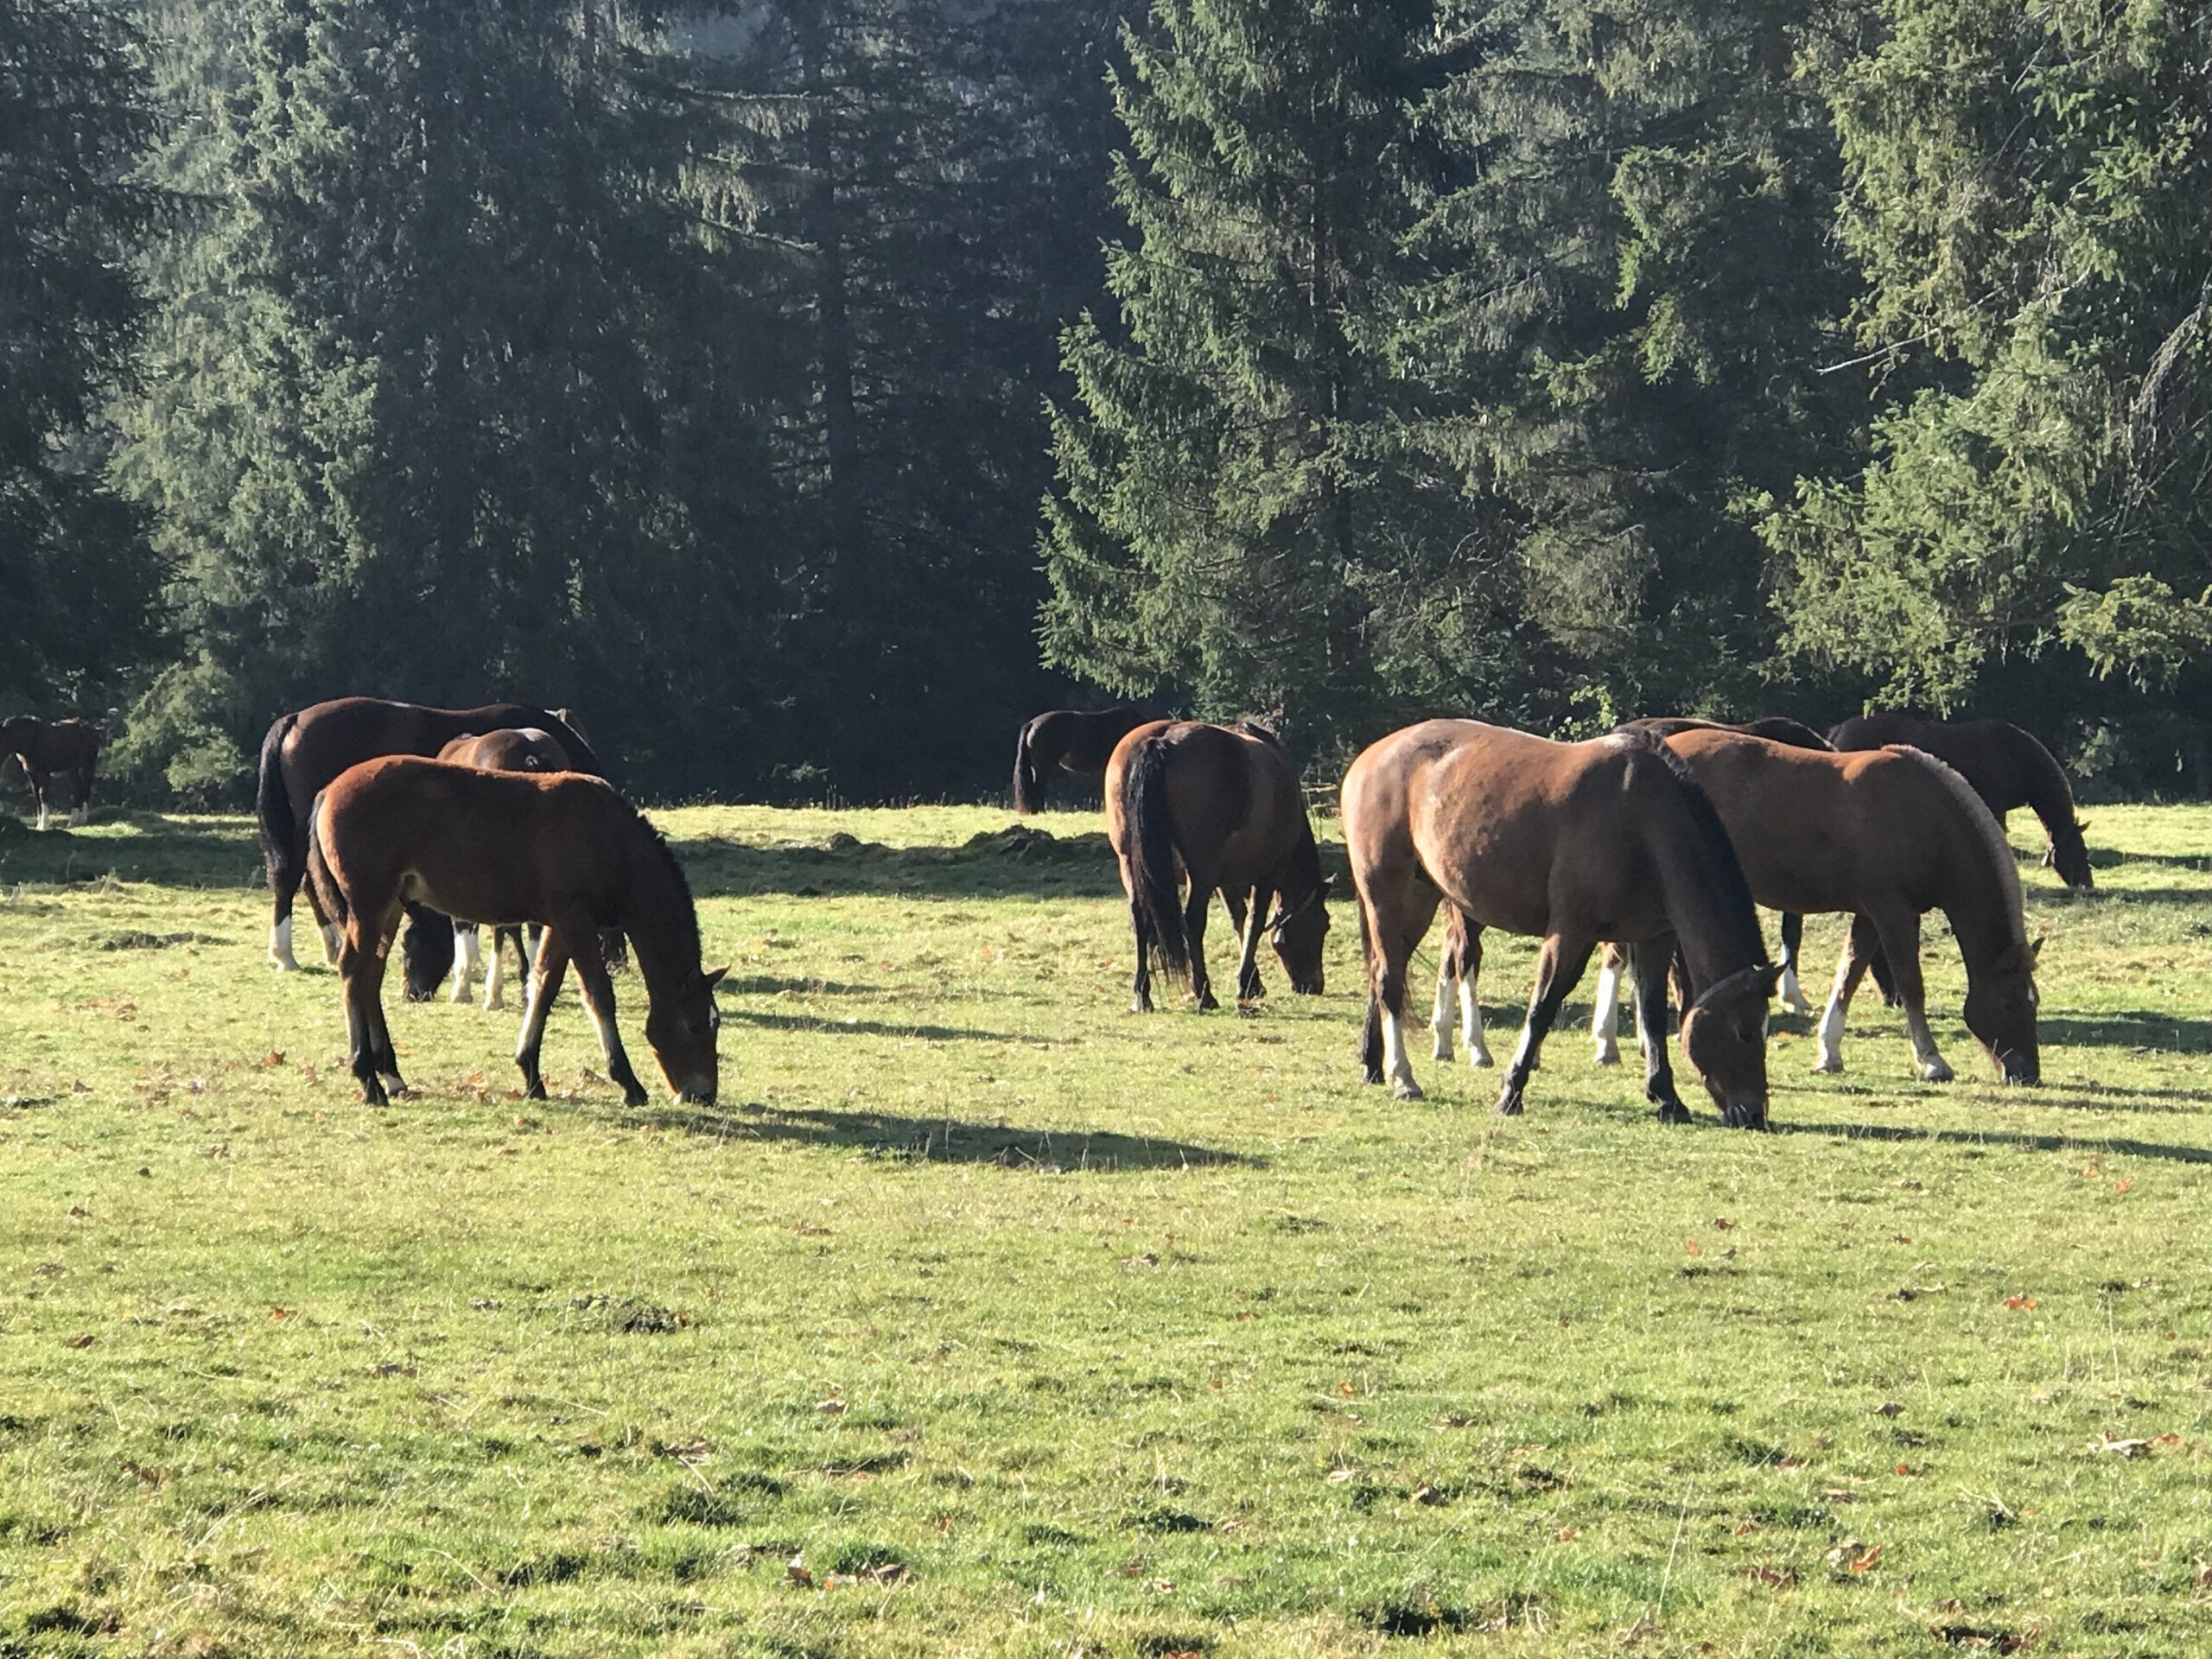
(2014, 1067)
(1750, 1113)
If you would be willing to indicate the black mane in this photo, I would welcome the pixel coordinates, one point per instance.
(1728, 868)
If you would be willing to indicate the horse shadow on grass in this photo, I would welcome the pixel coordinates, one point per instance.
(830, 1026)
(2147, 1028)
(941, 1140)
(2087, 1146)
(177, 852)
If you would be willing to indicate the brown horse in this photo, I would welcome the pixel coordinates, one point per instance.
(1572, 842)
(1071, 739)
(499, 847)
(1886, 835)
(1222, 806)
(2002, 763)
(47, 746)
(512, 749)
(304, 751)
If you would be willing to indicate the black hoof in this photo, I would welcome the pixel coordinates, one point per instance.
(1508, 1105)
(1673, 1111)
(1207, 1004)
(1370, 1074)
(634, 1097)
(535, 1090)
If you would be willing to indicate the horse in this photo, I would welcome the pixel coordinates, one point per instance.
(47, 746)
(1886, 835)
(502, 848)
(1222, 805)
(2002, 763)
(306, 750)
(1462, 954)
(1572, 842)
(512, 748)
(1071, 739)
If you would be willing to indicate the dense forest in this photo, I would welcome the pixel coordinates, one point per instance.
(806, 391)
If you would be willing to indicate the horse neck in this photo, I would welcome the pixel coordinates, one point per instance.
(662, 924)
(1983, 920)
(1716, 940)
(2047, 795)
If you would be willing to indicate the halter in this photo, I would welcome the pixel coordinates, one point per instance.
(1284, 916)
(1732, 982)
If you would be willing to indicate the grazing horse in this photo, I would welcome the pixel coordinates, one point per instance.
(305, 751)
(1222, 806)
(502, 848)
(2001, 763)
(1572, 842)
(1886, 835)
(47, 746)
(1071, 739)
(512, 749)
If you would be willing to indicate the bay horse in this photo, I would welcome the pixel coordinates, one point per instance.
(2002, 763)
(47, 746)
(1222, 806)
(1572, 844)
(1886, 835)
(502, 848)
(512, 748)
(306, 750)
(1071, 739)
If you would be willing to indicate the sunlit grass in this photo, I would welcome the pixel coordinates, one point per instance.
(983, 1317)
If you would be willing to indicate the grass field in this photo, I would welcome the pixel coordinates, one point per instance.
(981, 1317)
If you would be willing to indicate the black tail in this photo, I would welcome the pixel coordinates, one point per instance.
(1029, 779)
(1371, 1030)
(1157, 896)
(273, 806)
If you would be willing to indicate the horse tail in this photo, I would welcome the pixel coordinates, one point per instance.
(1371, 1030)
(1028, 777)
(272, 801)
(322, 886)
(1149, 829)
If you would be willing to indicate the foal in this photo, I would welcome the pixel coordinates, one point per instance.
(512, 748)
(502, 847)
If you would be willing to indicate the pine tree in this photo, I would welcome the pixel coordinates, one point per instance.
(1239, 513)
(2026, 191)
(75, 570)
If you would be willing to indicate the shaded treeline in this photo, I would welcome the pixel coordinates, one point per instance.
(703, 368)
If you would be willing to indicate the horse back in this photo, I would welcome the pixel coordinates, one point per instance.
(1234, 806)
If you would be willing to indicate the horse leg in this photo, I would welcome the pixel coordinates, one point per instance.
(1250, 925)
(544, 986)
(1900, 936)
(1885, 980)
(1393, 922)
(468, 958)
(1194, 927)
(1859, 950)
(360, 972)
(495, 968)
(1605, 1013)
(1467, 969)
(1141, 986)
(1791, 993)
(39, 782)
(1559, 965)
(82, 812)
(1651, 963)
(599, 996)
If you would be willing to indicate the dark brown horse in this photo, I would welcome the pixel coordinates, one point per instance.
(47, 747)
(1071, 739)
(499, 848)
(512, 748)
(1572, 844)
(1220, 805)
(2002, 763)
(303, 751)
(1886, 835)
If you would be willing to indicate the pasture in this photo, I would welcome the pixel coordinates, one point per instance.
(981, 1317)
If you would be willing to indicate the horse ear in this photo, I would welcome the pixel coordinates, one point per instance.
(2035, 948)
(714, 977)
(1328, 886)
(1769, 978)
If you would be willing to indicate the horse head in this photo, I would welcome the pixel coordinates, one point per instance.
(683, 1027)
(2001, 1012)
(1298, 932)
(1724, 1038)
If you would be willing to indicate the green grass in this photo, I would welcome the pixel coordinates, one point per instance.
(1024, 1326)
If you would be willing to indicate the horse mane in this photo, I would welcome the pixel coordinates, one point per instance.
(1253, 726)
(658, 843)
(1728, 880)
(1992, 833)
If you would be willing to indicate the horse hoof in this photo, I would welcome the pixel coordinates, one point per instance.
(1142, 1005)
(1936, 1071)
(634, 1097)
(1406, 1089)
(1606, 1056)
(1208, 1003)
(535, 1091)
(1825, 1067)
(1508, 1105)
(1442, 1048)
(1673, 1111)
(1479, 1058)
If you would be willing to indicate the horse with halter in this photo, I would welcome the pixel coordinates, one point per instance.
(306, 750)
(1220, 805)
(502, 848)
(1885, 834)
(430, 948)
(1572, 844)
(1071, 739)
(2002, 763)
(47, 746)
